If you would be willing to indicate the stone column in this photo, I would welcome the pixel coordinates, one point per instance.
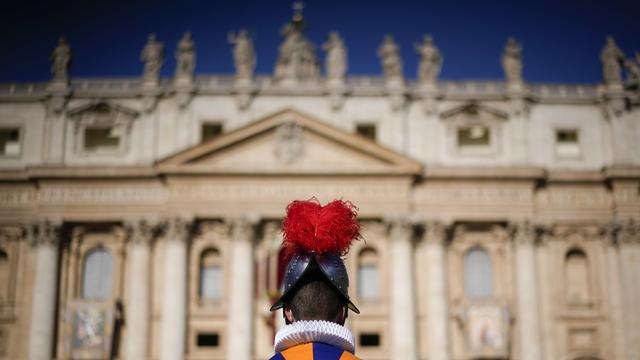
(174, 304)
(614, 289)
(240, 335)
(45, 238)
(437, 311)
(403, 310)
(141, 234)
(527, 311)
(629, 243)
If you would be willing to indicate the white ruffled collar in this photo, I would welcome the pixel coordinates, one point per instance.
(305, 331)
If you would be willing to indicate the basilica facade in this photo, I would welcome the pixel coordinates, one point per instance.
(140, 217)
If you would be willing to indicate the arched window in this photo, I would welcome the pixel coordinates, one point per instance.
(368, 275)
(97, 274)
(211, 280)
(576, 272)
(478, 274)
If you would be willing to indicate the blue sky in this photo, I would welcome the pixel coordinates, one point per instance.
(561, 39)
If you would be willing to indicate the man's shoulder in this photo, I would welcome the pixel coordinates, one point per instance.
(314, 351)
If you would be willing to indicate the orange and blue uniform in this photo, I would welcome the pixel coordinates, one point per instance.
(314, 351)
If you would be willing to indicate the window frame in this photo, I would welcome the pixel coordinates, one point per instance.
(20, 129)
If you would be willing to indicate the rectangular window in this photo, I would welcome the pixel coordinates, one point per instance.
(211, 283)
(473, 136)
(10, 142)
(567, 143)
(366, 130)
(368, 282)
(98, 139)
(210, 130)
(369, 339)
(208, 340)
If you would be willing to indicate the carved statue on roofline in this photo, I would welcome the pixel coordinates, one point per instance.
(61, 61)
(244, 56)
(336, 59)
(512, 62)
(185, 56)
(152, 56)
(430, 61)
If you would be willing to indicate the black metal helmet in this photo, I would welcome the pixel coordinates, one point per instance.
(328, 267)
(316, 237)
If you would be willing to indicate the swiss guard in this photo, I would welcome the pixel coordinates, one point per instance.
(315, 299)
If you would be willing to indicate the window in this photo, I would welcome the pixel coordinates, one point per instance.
(369, 339)
(102, 129)
(210, 130)
(96, 275)
(208, 340)
(473, 136)
(567, 144)
(576, 277)
(368, 282)
(478, 275)
(10, 142)
(366, 130)
(100, 139)
(210, 276)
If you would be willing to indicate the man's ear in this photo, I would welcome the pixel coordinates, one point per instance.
(344, 313)
(288, 314)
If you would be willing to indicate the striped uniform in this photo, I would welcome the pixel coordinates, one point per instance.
(314, 351)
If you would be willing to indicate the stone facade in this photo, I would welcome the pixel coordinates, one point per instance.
(139, 218)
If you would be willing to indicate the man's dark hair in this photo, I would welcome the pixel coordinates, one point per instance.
(315, 300)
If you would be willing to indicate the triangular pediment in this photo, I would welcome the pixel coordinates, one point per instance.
(289, 142)
(474, 110)
(102, 108)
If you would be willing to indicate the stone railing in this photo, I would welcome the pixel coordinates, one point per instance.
(22, 89)
(224, 83)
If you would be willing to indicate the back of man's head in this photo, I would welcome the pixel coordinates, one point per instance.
(317, 300)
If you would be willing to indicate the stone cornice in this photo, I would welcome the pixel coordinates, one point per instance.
(224, 84)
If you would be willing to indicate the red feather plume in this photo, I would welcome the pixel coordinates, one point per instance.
(308, 227)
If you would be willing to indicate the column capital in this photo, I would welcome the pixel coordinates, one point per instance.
(628, 231)
(400, 227)
(13, 233)
(141, 230)
(43, 232)
(177, 228)
(435, 232)
(243, 227)
(524, 232)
